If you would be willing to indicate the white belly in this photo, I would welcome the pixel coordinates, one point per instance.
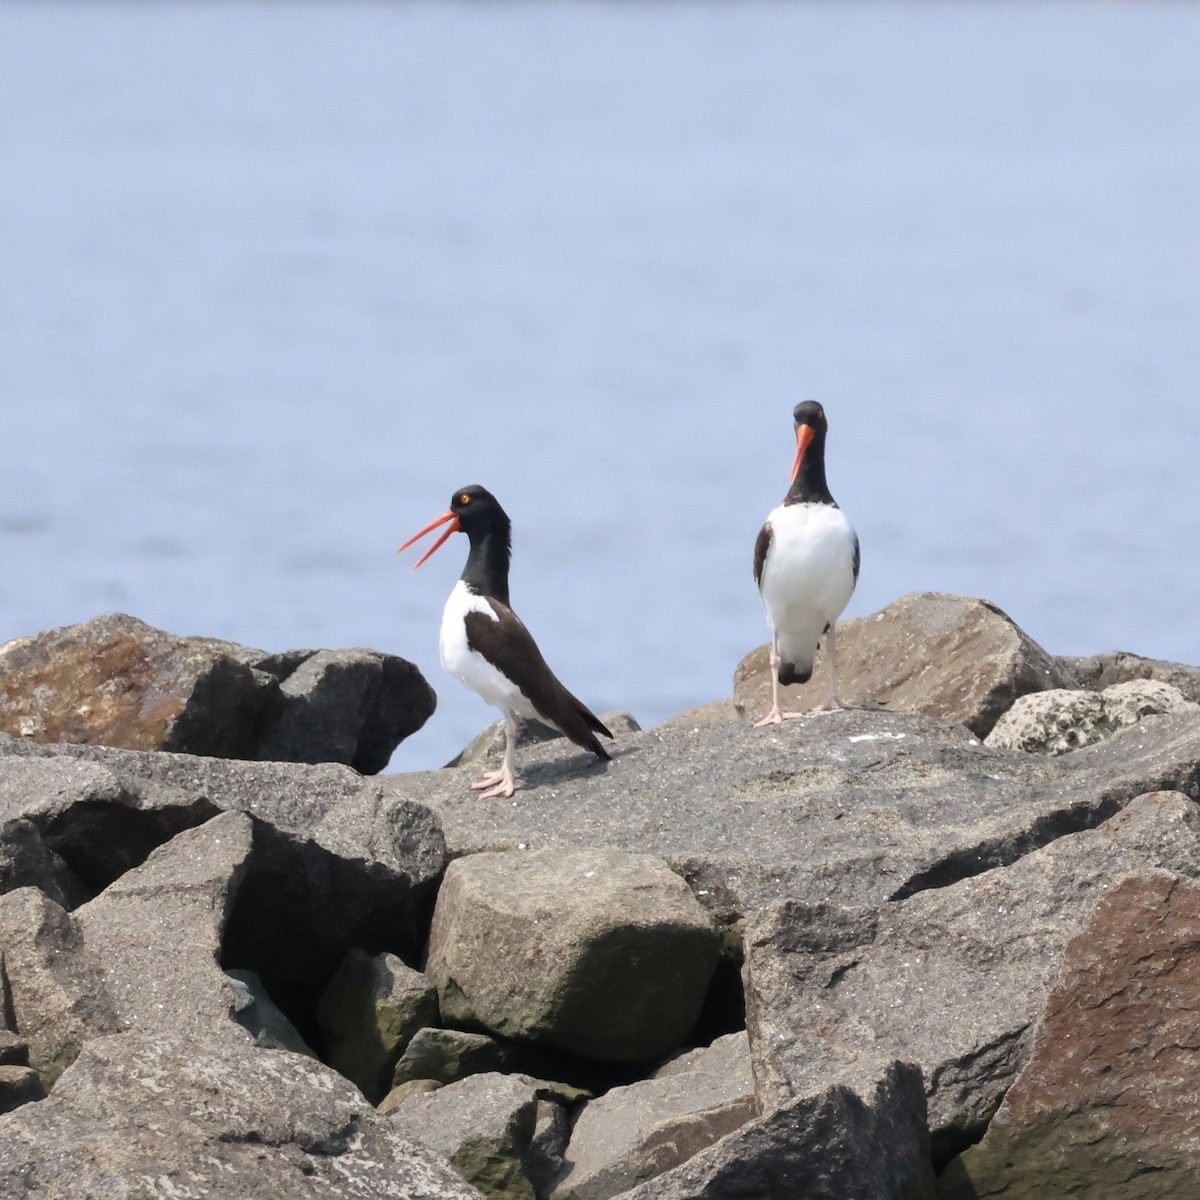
(808, 577)
(471, 669)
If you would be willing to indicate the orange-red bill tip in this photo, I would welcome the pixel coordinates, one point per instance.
(804, 435)
(448, 515)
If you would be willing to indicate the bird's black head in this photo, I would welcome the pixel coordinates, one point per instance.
(477, 509)
(477, 513)
(808, 467)
(809, 412)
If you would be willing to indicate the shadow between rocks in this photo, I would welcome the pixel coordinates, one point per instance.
(300, 908)
(101, 840)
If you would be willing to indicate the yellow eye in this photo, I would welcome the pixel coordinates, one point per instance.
(464, 498)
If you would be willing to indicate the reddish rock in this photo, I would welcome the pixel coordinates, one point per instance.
(1106, 1105)
(116, 681)
(945, 656)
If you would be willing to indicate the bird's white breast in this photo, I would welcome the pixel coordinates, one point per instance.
(468, 666)
(808, 576)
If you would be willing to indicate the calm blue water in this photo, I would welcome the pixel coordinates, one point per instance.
(276, 278)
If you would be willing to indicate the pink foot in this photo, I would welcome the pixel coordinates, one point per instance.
(776, 716)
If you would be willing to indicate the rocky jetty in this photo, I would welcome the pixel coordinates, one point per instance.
(943, 945)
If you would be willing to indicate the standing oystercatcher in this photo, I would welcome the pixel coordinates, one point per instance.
(806, 565)
(485, 645)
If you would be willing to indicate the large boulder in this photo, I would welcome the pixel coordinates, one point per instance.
(1106, 1103)
(861, 1134)
(483, 1124)
(601, 953)
(143, 955)
(346, 706)
(947, 656)
(336, 862)
(117, 681)
(848, 808)
(142, 1115)
(1061, 720)
(637, 1132)
(157, 933)
(70, 826)
(953, 978)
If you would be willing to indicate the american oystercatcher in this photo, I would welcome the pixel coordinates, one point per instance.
(806, 565)
(485, 645)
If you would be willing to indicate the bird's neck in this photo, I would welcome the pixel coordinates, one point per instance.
(486, 571)
(810, 486)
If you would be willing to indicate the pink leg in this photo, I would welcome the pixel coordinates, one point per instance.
(776, 715)
(833, 703)
(500, 783)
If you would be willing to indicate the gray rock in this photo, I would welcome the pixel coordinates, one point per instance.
(1128, 703)
(55, 991)
(336, 861)
(1061, 720)
(347, 706)
(1106, 1103)
(601, 953)
(953, 978)
(154, 1115)
(371, 1009)
(718, 712)
(551, 1133)
(1100, 671)
(845, 808)
(117, 681)
(403, 1091)
(71, 826)
(483, 1124)
(26, 860)
(14, 1049)
(19, 1085)
(946, 656)
(255, 1011)
(451, 1054)
(632, 1134)
(1053, 722)
(157, 931)
(861, 1135)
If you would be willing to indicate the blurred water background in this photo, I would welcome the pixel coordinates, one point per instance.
(275, 278)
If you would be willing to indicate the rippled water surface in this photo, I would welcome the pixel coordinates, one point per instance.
(276, 278)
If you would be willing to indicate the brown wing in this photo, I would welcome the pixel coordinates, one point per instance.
(761, 546)
(508, 645)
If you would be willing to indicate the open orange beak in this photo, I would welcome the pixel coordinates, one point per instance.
(448, 515)
(804, 435)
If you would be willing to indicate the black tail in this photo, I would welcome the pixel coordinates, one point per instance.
(581, 725)
(790, 673)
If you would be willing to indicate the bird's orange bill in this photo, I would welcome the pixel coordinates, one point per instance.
(448, 515)
(804, 435)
